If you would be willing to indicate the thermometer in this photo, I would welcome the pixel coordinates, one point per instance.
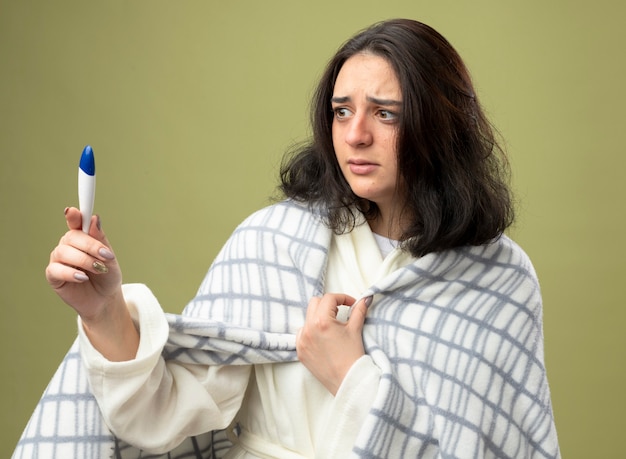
(86, 185)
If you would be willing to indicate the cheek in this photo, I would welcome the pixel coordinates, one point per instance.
(335, 134)
(392, 138)
(389, 147)
(336, 137)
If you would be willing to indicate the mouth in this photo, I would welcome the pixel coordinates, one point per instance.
(361, 167)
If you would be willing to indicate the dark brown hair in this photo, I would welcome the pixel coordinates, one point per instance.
(453, 170)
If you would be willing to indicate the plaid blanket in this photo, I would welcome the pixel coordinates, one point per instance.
(457, 335)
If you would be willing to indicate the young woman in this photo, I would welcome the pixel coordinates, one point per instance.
(378, 311)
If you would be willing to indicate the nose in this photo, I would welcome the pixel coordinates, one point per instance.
(358, 132)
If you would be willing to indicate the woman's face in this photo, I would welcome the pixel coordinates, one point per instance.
(366, 104)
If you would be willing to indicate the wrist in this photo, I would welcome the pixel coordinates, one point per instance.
(112, 332)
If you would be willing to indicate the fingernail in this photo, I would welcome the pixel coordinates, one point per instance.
(100, 267)
(368, 301)
(106, 253)
(81, 276)
(66, 211)
(98, 224)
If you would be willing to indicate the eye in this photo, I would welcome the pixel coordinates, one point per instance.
(341, 112)
(387, 115)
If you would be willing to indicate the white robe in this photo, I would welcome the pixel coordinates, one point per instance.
(286, 412)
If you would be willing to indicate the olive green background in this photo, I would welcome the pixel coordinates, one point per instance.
(189, 106)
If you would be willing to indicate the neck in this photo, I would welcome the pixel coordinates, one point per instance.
(388, 225)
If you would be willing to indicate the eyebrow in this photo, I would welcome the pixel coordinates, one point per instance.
(375, 100)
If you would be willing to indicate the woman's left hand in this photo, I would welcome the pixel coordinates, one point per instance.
(326, 346)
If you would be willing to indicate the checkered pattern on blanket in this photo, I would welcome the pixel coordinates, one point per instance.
(458, 336)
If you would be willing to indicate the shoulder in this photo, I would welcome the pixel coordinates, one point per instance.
(505, 251)
(281, 210)
(282, 244)
(288, 217)
(501, 255)
(284, 227)
(504, 266)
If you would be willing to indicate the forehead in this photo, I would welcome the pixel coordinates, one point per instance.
(367, 74)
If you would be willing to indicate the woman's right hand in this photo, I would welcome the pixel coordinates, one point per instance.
(84, 272)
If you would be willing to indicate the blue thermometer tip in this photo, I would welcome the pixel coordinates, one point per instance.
(88, 161)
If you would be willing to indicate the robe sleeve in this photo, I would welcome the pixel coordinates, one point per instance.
(352, 403)
(155, 404)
